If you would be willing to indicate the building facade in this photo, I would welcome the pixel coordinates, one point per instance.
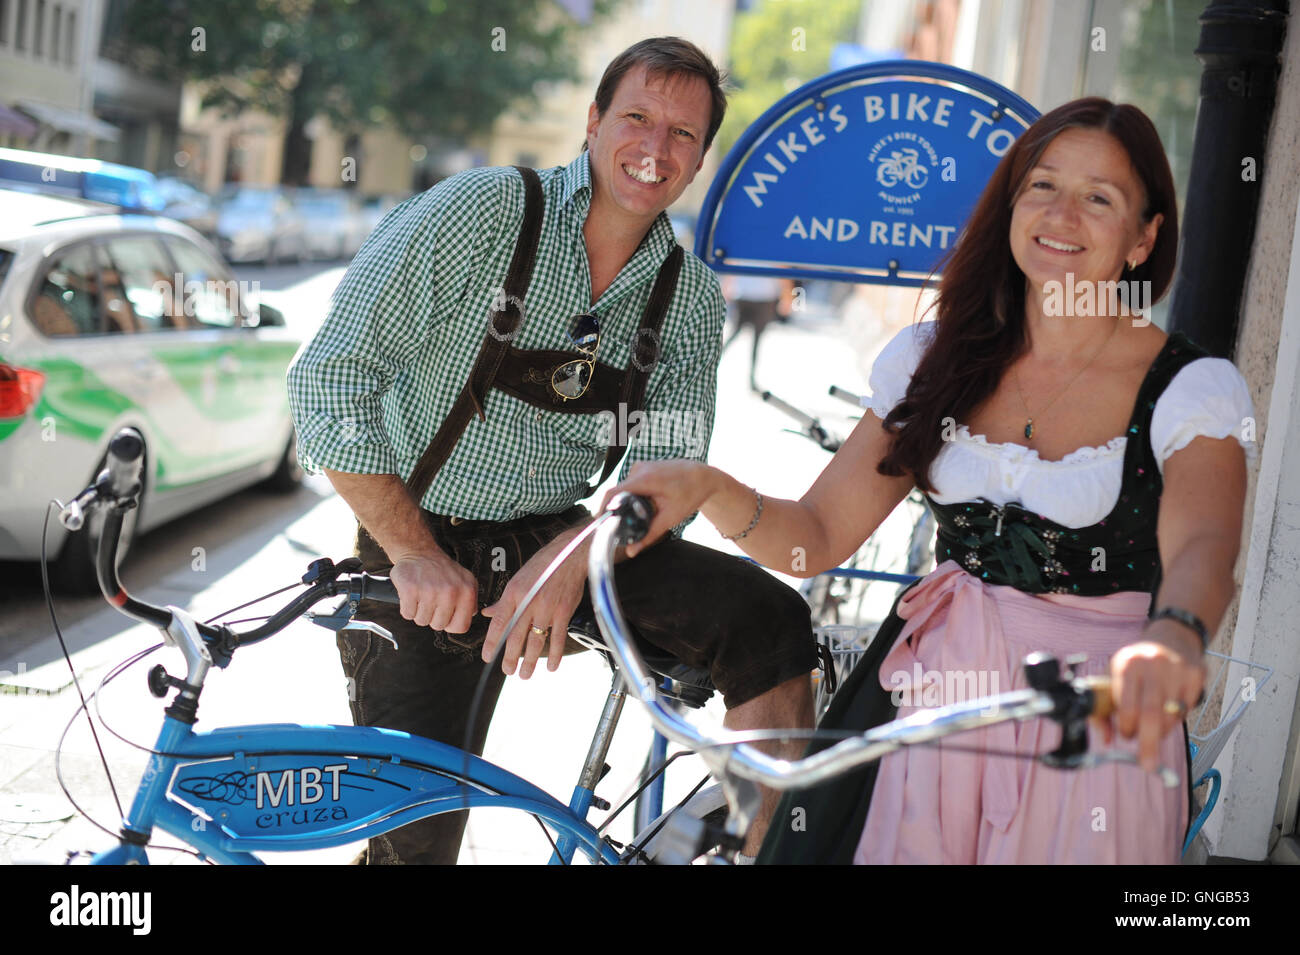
(1052, 51)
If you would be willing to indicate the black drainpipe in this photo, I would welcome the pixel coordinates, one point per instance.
(1240, 49)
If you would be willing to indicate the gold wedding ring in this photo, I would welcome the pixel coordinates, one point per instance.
(539, 631)
(1175, 707)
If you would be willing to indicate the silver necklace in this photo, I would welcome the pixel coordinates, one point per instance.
(1029, 421)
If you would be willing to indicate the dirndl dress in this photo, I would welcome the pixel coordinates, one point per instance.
(1007, 582)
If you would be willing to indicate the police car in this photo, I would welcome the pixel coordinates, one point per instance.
(110, 319)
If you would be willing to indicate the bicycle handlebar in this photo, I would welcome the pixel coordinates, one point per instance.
(117, 488)
(626, 520)
(845, 395)
(812, 428)
(1069, 701)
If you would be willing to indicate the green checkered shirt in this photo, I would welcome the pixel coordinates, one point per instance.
(370, 389)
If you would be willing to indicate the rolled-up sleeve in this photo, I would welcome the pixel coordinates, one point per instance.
(395, 293)
(681, 396)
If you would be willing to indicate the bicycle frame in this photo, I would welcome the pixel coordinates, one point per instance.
(234, 791)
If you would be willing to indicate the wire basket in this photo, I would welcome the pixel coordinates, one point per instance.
(846, 643)
(1233, 686)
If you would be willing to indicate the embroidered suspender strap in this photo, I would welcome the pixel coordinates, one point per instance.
(645, 353)
(504, 324)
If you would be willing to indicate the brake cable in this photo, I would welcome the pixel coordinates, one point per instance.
(58, 632)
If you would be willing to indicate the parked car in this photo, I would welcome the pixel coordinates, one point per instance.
(333, 225)
(186, 202)
(114, 320)
(124, 186)
(259, 224)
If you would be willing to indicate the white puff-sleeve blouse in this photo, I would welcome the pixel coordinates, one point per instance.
(1207, 396)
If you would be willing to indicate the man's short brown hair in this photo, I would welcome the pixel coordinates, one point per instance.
(668, 57)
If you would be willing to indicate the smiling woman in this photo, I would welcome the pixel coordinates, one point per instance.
(1088, 479)
(1085, 196)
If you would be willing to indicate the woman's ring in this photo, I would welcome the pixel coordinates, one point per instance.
(540, 632)
(1175, 707)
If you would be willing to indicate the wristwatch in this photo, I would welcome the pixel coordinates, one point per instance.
(1188, 619)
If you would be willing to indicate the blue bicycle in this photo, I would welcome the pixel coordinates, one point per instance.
(234, 791)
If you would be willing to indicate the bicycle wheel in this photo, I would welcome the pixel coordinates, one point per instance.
(707, 806)
(838, 600)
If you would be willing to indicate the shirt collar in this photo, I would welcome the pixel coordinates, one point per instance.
(577, 178)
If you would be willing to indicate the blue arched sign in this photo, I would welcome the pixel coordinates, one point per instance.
(867, 174)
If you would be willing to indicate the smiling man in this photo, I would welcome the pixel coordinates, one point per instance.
(458, 396)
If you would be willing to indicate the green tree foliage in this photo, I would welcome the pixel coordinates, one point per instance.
(444, 68)
(778, 46)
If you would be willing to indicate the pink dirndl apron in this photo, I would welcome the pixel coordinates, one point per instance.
(964, 638)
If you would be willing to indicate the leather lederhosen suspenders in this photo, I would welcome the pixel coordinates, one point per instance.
(526, 373)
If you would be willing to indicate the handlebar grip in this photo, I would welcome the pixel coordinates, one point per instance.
(635, 514)
(378, 588)
(845, 395)
(806, 420)
(125, 462)
(1103, 702)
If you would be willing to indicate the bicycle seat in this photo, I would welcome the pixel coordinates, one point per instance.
(690, 685)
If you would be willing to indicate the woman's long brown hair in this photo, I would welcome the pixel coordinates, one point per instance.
(980, 329)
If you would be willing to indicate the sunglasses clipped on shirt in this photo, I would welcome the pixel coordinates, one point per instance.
(572, 379)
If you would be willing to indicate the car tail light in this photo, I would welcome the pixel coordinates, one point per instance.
(19, 389)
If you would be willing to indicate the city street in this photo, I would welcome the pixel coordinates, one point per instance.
(257, 541)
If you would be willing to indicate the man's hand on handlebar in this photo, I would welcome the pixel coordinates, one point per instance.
(435, 591)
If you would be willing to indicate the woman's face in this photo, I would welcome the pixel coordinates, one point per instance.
(1079, 212)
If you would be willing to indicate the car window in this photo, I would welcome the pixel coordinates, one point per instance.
(210, 296)
(142, 273)
(69, 300)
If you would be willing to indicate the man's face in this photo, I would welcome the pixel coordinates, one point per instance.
(649, 145)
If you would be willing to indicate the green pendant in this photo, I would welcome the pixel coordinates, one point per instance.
(1029, 428)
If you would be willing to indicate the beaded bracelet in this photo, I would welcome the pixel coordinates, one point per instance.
(1187, 619)
(758, 512)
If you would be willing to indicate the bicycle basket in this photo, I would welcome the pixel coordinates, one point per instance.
(1248, 679)
(847, 644)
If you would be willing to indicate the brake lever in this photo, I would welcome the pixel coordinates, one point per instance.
(340, 619)
(1091, 760)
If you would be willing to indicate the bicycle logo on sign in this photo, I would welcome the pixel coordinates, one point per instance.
(902, 165)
